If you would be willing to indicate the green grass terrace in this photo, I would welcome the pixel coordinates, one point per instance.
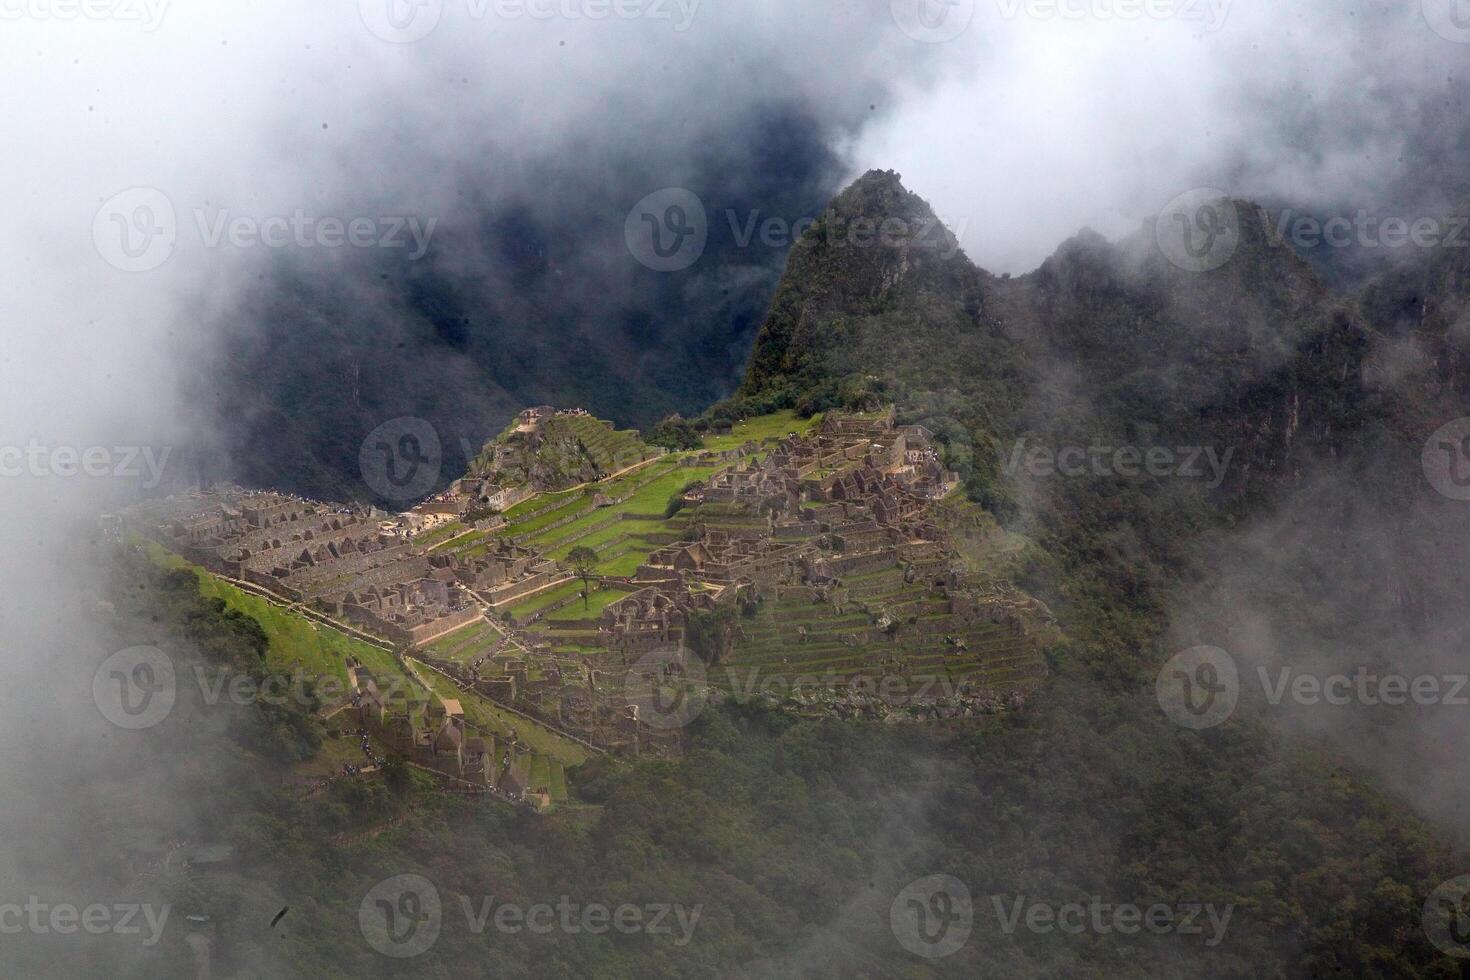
(296, 642)
(761, 429)
(599, 600)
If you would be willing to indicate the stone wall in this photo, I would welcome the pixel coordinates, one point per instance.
(511, 591)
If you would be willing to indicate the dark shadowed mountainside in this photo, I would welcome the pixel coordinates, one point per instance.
(527, 295)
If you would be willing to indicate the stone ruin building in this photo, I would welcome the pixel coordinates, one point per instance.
(343, 561)
(805, 521)
(434, 735)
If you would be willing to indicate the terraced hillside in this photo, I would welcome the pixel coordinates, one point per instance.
(300, 645)
(545, 754)
(878, 621)
(613, 517)
(879, 626)
(297, 642)
(623, 521)
(556, 451)
(553, 631)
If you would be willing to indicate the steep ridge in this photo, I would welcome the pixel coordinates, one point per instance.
(1104, 342)
(1320, 546)
(1256, 357)
(878, 294)
(1422, 307)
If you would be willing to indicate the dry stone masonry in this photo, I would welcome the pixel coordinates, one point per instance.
(818, 557)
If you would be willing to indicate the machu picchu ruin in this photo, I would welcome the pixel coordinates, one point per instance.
(795, 560)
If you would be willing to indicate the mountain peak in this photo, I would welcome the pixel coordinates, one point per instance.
(882, 188)
(878, 205)
(878, 252)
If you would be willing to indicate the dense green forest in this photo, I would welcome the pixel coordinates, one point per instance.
(793, 837)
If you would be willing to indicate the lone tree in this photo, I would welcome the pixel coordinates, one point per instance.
(583, 561)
